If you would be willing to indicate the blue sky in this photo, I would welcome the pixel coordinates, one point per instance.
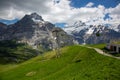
(8, 21)
(62, 12)
(106, 3)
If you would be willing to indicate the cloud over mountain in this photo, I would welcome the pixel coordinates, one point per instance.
(58, 11)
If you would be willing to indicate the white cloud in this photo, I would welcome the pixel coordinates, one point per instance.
(62, 11)
(114, 14)
(14, 13)
(90, 4)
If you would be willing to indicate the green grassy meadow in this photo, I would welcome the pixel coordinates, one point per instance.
(100, 46)
(75, 63)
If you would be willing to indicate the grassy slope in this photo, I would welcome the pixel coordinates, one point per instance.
(75, 63)
(100, 46)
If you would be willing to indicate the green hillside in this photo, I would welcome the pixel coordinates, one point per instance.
(75, 63)
(100, 46)
(13, 52)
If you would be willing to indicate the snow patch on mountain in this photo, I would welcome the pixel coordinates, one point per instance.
(36, 20)
(90, 31)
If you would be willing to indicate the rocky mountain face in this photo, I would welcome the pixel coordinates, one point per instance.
(92, 34)
(2, 28)
(119, 27)
(33, 30)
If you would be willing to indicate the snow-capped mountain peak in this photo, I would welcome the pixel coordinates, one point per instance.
(75, 27)
(79, 23)
(93, 34)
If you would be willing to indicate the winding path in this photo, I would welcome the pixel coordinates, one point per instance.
(101, 52)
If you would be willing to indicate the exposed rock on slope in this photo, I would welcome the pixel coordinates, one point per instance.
(32, 29)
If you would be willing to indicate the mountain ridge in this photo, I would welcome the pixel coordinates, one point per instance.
(33, 30)
(92, 34)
